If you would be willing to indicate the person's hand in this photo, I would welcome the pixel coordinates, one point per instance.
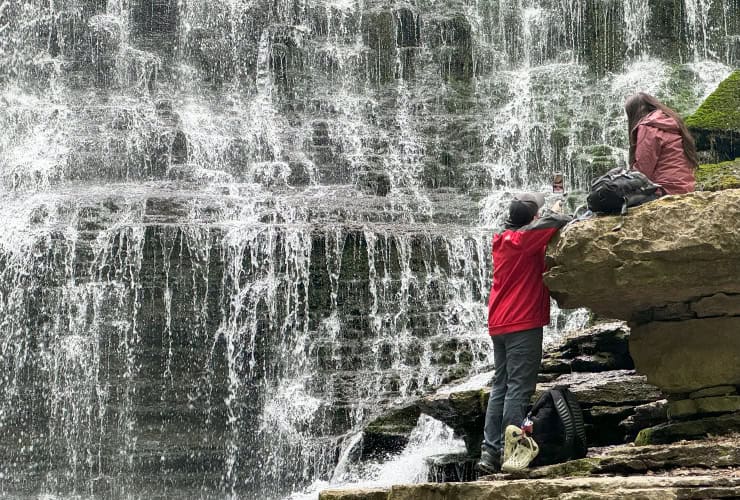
(557, 207)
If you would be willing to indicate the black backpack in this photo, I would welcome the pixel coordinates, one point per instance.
(618, 189)
(557, 427)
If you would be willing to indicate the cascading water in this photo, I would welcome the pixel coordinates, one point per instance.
(235, 231)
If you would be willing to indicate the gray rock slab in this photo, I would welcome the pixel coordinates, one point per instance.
(685, 356)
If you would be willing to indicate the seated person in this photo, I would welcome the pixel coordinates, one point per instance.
(661, 147)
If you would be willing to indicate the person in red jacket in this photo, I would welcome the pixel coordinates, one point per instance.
(518, 308)
(661, 147)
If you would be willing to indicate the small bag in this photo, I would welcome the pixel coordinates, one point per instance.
(618, 189)
(557, 427)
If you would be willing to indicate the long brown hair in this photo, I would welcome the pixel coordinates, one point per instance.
(638, 106)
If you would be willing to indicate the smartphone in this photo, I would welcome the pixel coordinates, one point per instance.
(557, 183)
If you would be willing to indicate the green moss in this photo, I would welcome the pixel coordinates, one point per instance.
(644, 437)
(721, 110)
(718, 176)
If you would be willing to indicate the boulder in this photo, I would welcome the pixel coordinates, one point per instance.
(673, 250)
(613, 388)
(643, 416)
(709, 353)
(598, 348)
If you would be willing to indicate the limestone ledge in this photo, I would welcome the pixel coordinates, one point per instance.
(701, 469)
(702, 486)
(667, 256)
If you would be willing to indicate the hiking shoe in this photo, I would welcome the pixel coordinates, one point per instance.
(526, 450)
(512, 435)
(489, 463)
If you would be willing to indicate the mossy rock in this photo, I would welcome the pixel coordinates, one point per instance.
(716, 124)
(721, 110)
(718, 176)
(671, 432)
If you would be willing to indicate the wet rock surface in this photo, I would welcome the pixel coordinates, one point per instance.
(173, 260)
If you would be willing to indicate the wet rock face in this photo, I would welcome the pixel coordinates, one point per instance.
(190, 313)
(237, 227)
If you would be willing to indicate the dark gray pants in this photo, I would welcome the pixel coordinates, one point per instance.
(516, 357)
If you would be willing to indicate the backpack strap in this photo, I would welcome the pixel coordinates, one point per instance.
(575, 410)
(561, 405)
(541, 401)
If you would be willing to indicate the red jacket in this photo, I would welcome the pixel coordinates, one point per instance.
(659, 154)
(519, 299)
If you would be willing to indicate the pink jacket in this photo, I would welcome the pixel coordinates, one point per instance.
(659, 154)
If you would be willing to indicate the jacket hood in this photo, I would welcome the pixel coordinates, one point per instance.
(661, 121)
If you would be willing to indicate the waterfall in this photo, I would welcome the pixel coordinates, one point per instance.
(236, 231)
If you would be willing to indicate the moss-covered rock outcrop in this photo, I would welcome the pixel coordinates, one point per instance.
(718, 176)
(716, 124)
